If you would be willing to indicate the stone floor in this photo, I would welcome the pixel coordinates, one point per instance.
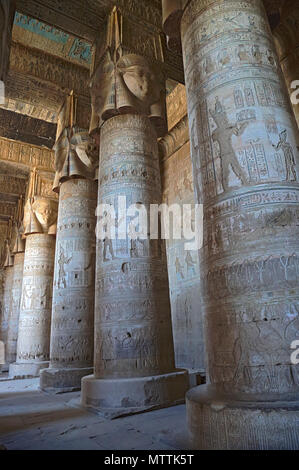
(34, 420)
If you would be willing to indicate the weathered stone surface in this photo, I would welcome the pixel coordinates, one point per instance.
(16, 293)
(7, 11)
(115, 398)
(245, 161)
(33, 348)
(125, 80)
(72, 330)
(286, 36)
(26, 155)
(183, 265)
(234, 422)
(40, 216)
(6, 309)
(133, 336)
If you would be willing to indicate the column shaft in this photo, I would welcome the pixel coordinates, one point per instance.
(245, 159)
(33, 348)
(6, 309)
(72, 327)
(134, 357)
(16, 293)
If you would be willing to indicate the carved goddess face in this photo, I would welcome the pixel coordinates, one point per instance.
(45, 211)
(139, 81)
(139, 78)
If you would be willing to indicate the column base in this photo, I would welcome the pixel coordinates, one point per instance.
(26, 370)
(120, 397)
(63, 380)
(220, 422)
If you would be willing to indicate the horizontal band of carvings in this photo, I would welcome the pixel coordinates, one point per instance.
(48, 68)
(25, 154)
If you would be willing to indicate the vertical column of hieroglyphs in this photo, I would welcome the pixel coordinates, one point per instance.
(40, 217)
(245, 158)
(72, 328)
(134, 357)
(286, 36)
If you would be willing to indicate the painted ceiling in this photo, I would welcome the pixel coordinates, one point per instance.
(32, 32)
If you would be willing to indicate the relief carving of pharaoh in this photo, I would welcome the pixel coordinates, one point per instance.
(40, 216)
(126, 84)
(76, 155)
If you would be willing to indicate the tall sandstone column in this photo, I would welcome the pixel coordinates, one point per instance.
(286, 36)
(244, 152)
(72, 328)
(134, 356)
(6, 302)
(16, 293)
(33, 347)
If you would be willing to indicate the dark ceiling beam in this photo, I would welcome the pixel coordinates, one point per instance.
(23, 128)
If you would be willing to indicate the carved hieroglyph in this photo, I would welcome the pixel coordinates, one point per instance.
(72, 330)
(245, 159)
(7, 12)
(286, 36)
(16, 293)
(25, 154)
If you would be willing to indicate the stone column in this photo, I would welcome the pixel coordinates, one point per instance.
(286, 37)
(33, 347)
(16, 293)
(244, 153)
(16, 290)
(72, 330)
(134, 356)
(6, 302)
(7, 13)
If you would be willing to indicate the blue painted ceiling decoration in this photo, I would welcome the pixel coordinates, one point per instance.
(37, 27)
(53, 40)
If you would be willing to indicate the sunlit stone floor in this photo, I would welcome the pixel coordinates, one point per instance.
(34, 420)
